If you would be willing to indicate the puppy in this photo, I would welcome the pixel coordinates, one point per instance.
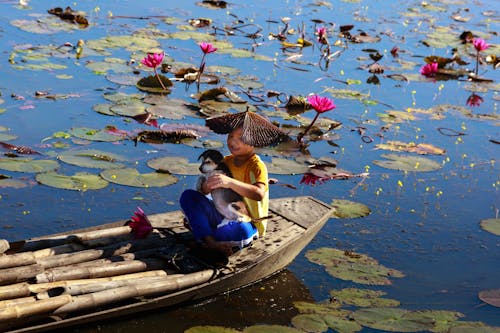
(229, 203)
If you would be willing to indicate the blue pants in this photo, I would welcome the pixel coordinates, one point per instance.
(205, 220)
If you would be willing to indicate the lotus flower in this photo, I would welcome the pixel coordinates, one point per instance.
(206, 48)
(153, 60)
(140, 224)
(320, 105)
(474, 100)
(429, 70)
(479, 45)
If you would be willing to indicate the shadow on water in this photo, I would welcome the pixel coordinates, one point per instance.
(269, 301)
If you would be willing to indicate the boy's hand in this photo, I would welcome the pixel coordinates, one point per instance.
(218, 181)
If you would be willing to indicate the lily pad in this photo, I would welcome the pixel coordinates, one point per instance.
(170, 108)
(210, 329)
(474, 329)
(319, 308)
(271, 329)
(313, 323)
(132, 177)
(91, 158)
(442, 320)
(95, 135)
(492, 297)
(411, 147)
(27, 165)
(81, 181)
(130, 109)
(390, 319)
(349, 209)
(284, 166)
(352, 266)
(12, 183)
(363, 298)
(7, 137)
(407, 163)
(491, 225)
(342, 325)
(175, 165)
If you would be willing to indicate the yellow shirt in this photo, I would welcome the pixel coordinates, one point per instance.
(251, 172)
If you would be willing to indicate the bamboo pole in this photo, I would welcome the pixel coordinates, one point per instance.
(29, 258)
(112, 269)
(19, 274)
(41, 287)
(10, 302)
(14, 291)
(4, 245)
(33, 308)
(66, 259)
(109, 296)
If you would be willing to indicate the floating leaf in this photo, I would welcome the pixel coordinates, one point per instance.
(363, 298)
(81, 181)
(342, 325)
(132, 177)
(7, 137)
(175, 165)
(28, 165)
(12, 183)
(348, 265)
(319, 308)
(271, 329)
(91, 158)
(411, 147)
(407, 163)
(313, 323)
(349, 209)
(492, 297)
(390, 319)
(441, 320)
(170, 108)
(284, 166)
(130, 109)
(151, 84)
(491, 225)
(473, 329)
(95, 135)
(210, 329)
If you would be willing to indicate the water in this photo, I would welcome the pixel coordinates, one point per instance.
(425, 224)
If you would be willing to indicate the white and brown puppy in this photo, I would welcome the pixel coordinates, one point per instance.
(229, 203)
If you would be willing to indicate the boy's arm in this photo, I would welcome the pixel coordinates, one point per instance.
(252, 191)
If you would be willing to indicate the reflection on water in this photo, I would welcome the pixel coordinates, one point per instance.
(269, 301)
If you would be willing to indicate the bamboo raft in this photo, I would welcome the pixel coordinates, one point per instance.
(102, 272)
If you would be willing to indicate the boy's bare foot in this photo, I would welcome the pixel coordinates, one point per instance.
(222, 247)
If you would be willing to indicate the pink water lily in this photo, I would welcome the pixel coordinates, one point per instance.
(479, 45)
(207, 47)
(474, 100)
(429, 70)
(140, 224)
(153, 60)
(322, 38)
(320, 105)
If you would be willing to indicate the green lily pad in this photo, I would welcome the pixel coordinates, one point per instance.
(363, 298)
(12, 183)
(342, 325)
(91, 158)
(349, 209)
(128, 42)
(95, 135)
(175, 165)
(313, 323)
(27, 165)
(441, 320)
(407, 163)
(474, 329)
(319, 308)
(210, 329)
(352, 266)
(132, 177)
(169, 108)
(130, 109)
(492, 297)
(81, 181)
(271, 329)
(151, 84)
(284, 166)
(390, 319)
(491, 225)
(104, 67)
(7, 137)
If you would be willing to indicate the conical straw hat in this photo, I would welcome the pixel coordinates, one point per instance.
(257, 130)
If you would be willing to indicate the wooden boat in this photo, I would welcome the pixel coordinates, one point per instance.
(102, 272)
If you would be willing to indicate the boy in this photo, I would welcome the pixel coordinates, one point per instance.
(250, 180)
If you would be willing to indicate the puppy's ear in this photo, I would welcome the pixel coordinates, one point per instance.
(202, 155)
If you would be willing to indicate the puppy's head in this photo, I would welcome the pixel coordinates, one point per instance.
(210, 160)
